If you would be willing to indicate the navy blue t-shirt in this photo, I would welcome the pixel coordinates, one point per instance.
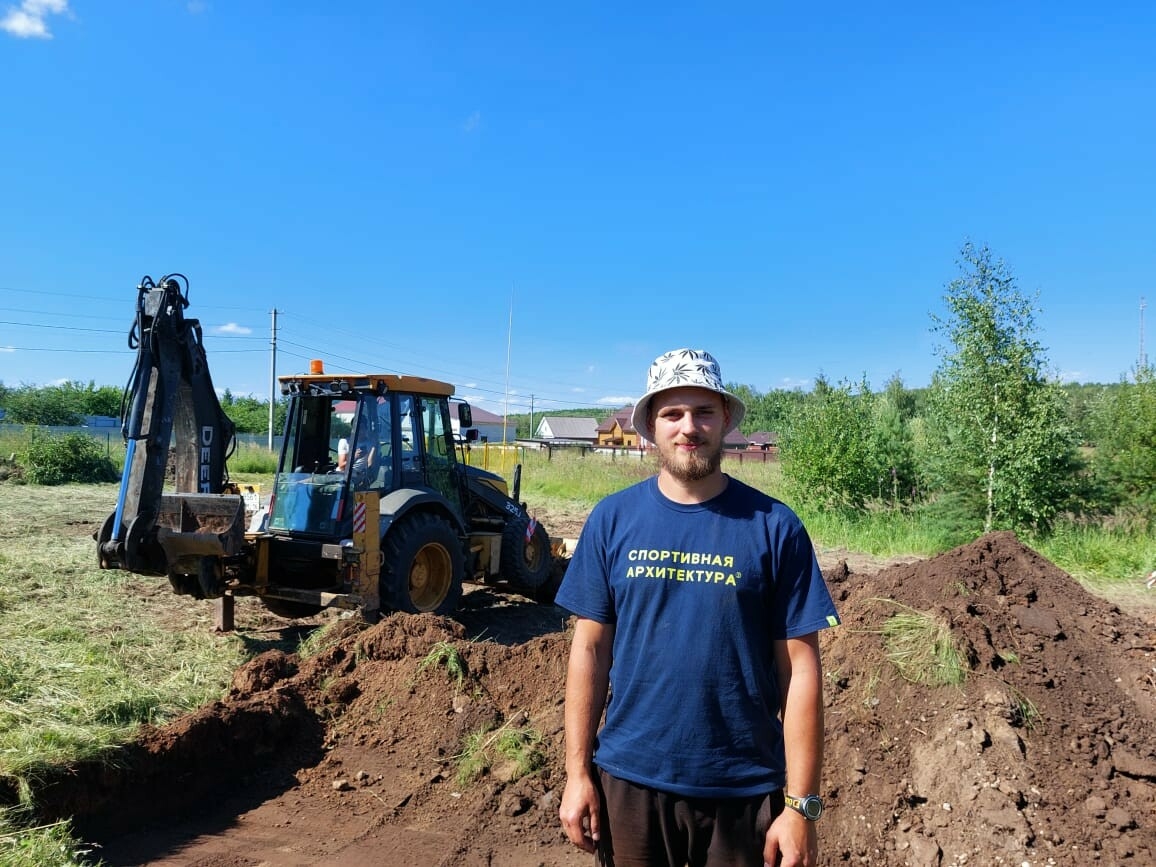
(697, 594)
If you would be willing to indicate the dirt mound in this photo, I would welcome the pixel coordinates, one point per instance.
(1047, 750)
(1044, 754)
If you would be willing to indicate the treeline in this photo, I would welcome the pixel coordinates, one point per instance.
(994, 442)
(69, 404)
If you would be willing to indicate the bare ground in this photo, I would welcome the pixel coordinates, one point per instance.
(1046, 754)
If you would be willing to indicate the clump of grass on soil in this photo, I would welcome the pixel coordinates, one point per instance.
(445, 654)
(482, 749)
(922, 648)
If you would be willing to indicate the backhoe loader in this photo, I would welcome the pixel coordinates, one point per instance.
(371, 509)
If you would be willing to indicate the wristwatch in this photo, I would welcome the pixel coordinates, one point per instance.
(811, 806)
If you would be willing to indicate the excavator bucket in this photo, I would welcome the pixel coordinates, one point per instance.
(192, 526)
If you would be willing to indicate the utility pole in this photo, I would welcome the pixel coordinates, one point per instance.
(506, 399)
(272, 374)
(531, 416)
(1143, 356)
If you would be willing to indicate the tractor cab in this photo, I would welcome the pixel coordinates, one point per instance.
(379, 432)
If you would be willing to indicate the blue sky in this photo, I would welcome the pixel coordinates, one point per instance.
(533, 201)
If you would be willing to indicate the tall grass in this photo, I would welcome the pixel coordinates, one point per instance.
(1109, 560)
(250, 460)
(1098, 555)
(575, 480)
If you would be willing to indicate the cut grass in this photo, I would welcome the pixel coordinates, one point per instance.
(482, 749)
(445, 654)
(922, 648)
(87, 656)
(51, 845)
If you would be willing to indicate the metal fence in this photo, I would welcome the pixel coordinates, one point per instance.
(112, 439)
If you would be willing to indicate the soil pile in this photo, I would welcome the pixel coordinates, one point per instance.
(1045, 753)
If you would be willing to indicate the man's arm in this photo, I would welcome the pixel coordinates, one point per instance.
(793, 837)
(587, 682)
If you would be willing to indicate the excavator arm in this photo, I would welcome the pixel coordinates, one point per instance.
(171, 416)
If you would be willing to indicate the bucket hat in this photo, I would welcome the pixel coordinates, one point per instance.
(685, 368)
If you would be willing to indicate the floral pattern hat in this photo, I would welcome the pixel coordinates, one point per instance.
(679, 368)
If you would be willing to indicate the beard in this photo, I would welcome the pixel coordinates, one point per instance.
(690, 467)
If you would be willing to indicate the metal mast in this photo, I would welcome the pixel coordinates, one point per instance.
(1143, 356)
(272, 374)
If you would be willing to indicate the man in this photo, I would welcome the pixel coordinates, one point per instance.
(698, 603)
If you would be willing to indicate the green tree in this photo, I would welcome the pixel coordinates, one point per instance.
(87, 399)
(893, 439)
(828, 447)
(249, 414)
(42, 406)
(998, 439)
(1123, 424)
(767, 412)
(751, 399)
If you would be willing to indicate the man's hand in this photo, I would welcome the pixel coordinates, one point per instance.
(792, 841)
(580, 812)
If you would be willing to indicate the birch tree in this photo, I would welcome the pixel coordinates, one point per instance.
(999, 439)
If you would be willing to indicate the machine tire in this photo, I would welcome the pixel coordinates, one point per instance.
(288, 608)
(526, 565)
(423, 567)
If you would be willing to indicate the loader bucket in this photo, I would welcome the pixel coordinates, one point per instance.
(191, 526)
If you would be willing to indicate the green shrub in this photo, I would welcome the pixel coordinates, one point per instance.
(72, 457)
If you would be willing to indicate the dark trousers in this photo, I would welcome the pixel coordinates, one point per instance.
(642, 827)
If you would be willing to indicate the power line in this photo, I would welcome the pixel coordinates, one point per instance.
(105, 299)
(498, 389)
(476, 383)
(60, 327)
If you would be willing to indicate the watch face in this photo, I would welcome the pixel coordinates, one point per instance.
(812, 807)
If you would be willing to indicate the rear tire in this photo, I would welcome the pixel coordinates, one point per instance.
(525, 564)
(424, 566)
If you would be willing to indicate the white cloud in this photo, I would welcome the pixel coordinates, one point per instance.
(473, 122)
(29, 20)
(232, 328)
(611, 400)
(7, 348)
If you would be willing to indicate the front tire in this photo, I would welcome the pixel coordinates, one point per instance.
(526, 564)
(424, 566)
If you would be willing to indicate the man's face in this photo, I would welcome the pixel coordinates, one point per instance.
(688, 431)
